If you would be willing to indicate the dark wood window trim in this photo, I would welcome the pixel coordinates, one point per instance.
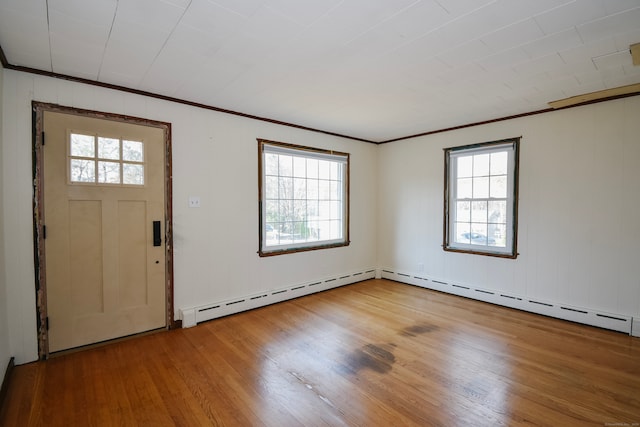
(512, 226)
(345, 241)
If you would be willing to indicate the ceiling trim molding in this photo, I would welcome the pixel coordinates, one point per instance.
(9, 66)
(515, 116)
(468, 125)
(3, 59)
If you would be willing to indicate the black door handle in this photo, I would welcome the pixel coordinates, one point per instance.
(157, 239)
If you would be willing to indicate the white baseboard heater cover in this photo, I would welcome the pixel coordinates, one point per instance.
(191, 316)
(616, 322)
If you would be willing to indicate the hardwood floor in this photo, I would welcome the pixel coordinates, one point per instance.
(376, 353)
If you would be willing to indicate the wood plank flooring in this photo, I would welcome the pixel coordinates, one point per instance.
(376, 353)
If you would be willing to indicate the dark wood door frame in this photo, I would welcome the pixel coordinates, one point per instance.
(37, 110)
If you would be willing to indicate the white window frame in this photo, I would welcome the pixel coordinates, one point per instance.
(266, 246)
(511, 147)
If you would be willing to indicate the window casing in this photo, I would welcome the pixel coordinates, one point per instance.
(481, 198)
(304, 198)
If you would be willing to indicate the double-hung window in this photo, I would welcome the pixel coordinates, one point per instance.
(304, 198)
(481, 201)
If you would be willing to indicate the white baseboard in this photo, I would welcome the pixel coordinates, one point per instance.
(191, 316)
(616, 322)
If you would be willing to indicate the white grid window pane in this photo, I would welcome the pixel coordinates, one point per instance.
(109, 172)
(83, 170)
(481, 165)
(481, 198)
(312, 189)
(497, 211)
(133, 174)
(312, 168)
(272, 187)
(465, 167)
(271, 164)
(303, 203)
(324, 209)
(285, 165)
(463, 211)
(324, 190)
(479, 211)
(334, 188)
(498, 187)
(82, 145)
(133, 151)
(108, 148)
(480, 187)
(299, 188)
(499, 163)
(324, 169)
(465, 188)
(299, 167)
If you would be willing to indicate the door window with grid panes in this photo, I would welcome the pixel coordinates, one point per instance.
(96, 159)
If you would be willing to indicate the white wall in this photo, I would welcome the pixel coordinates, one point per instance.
(214, 157)
(5, 352)
(579, 204)
(579, 233)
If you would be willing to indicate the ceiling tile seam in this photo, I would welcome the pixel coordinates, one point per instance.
(433, 30)
(479, 38)
(184, 12)
(387, 19)
(106, 44)
(224, 8)
(547, 11)
(579, 34)
(334, 7)
(602, 18)
(310, 25)
(302, 28)
(577, 80)
(546, 35)
(498, 52)
(286, 17)
(595, 59)
(477, 61)
(49, 36)
(493, 53)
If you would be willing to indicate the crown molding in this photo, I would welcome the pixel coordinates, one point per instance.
(607, 95)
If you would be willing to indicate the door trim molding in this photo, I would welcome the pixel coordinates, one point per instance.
(37, 111)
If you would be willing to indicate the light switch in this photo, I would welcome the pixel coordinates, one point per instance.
(194, 202)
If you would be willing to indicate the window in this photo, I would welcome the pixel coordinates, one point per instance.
(97, 159)
(481, 198)
(304, 198)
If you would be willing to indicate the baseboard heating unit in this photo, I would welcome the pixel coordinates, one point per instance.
(193, 315)
(616, 322)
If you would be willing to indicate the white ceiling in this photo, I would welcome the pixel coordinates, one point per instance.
(371, 69)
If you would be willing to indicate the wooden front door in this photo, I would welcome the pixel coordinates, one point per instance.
(104, 204)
